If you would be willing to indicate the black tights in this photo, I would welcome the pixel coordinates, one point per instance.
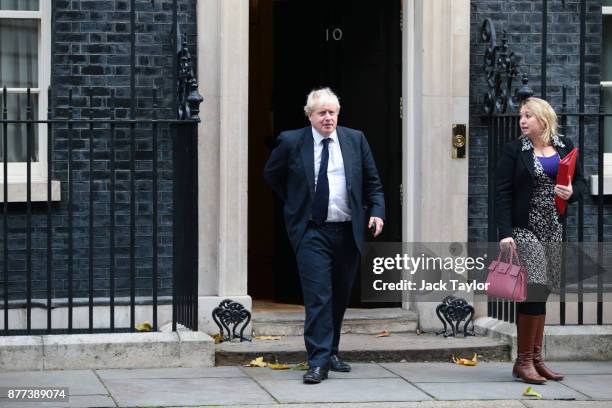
(536, 300)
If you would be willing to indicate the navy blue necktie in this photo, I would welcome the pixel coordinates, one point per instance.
(321, 198)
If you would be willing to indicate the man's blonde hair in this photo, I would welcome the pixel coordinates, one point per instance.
(319, 97)
(546, 115)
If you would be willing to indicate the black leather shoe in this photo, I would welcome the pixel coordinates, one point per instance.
(338, 365)
(315, 375)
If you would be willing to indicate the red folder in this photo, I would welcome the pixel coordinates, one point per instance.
(565, 174)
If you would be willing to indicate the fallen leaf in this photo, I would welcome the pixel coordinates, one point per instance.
(258, 362)
(464, 361)
(145, 326)
(267, 337)
(278, 366)
(419, 332)
(384, 333)
(301, 366)
(218, 338)
(529, 392)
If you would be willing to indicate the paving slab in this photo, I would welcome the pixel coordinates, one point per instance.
(77, 401)
(359, 370)
(581, 367)
(409, 404)
(79, 382)
(595, 386)
(344, 390)
(449, 372)
(496, 390)
(205, 372)
(141, 392)
(567, 404)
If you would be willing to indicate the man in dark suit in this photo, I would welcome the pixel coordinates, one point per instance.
(325, 175)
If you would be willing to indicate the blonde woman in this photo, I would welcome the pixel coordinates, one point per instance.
(527, 220)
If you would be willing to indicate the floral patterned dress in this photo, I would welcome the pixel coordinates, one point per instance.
(539, 245)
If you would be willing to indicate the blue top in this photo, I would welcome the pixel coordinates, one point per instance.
(550, 165)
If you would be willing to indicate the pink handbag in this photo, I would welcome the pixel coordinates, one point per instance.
(507, 280)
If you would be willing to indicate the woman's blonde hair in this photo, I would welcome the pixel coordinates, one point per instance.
(545, 114)
(320, 97)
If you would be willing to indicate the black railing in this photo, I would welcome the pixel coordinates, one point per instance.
(122, 233)
(577, 125)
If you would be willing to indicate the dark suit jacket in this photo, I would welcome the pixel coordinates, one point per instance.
(514, 185)
(290, 173)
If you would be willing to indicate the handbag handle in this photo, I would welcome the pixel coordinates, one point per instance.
(518, 259)
(501, 252)
(513, 253)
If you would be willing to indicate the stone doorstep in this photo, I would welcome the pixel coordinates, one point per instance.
(368, 348)
(359, 321)
(107, 350)
(561, 343)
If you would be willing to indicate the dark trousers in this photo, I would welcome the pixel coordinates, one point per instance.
(327, 260)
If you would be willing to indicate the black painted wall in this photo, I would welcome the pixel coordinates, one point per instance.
(91, 57)
(522, 20)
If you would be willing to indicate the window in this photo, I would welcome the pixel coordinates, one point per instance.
(606, 101)
(25, 61)
(606, 72)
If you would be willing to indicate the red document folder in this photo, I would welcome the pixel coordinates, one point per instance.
(567, 165)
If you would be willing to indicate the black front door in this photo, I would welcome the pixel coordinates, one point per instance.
(354, 47)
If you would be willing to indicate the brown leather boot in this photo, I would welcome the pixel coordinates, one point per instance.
(523, 366)
(538, 360)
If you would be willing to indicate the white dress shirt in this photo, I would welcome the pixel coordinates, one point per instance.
(338, 209)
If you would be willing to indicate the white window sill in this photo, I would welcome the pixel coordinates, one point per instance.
(17, 191)
(607, 171)
(607, 188)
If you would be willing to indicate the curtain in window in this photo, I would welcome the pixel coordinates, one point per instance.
(19, 5)
(19, 69)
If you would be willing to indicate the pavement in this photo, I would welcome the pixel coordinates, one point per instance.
(429, 384)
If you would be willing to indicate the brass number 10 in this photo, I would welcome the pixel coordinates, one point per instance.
(336, 34)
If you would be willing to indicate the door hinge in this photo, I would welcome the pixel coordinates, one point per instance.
(401, 194)
(401, 108)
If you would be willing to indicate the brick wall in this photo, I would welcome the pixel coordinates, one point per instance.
(91, 57)
(522, 20)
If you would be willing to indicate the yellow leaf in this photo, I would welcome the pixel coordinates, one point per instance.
(267, 337)
(475, 358)
(529, 392)
(279, 366)
(145, 326)
(384, 333)
(464, 361)
(301, 366)
(218, 338)
(258, 362)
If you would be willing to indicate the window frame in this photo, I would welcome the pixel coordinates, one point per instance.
(17, 172)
